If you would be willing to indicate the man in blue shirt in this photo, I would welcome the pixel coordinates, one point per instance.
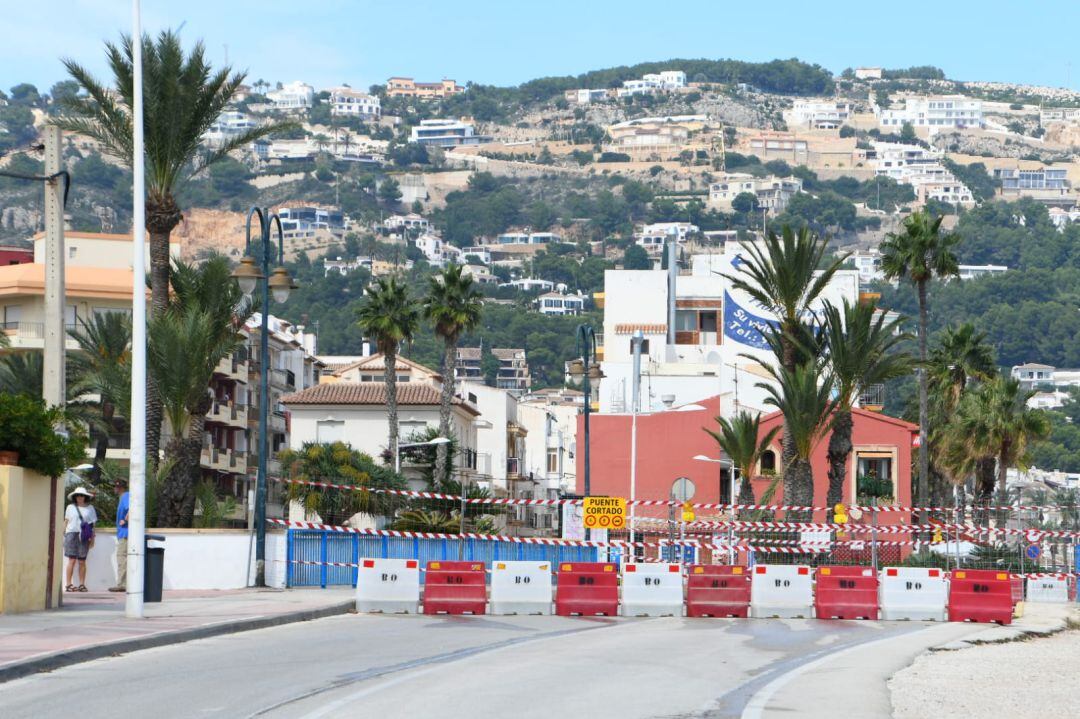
(120, 487)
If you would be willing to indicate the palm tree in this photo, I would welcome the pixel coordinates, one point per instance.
(453, 305)
(782, 276)
(183, 97)
(920, 254)
(103, 368)
(389, 316)
(962, 355)
(993, 424)
(861, 345)
(804, 397)
(741, 440)
(199, 329)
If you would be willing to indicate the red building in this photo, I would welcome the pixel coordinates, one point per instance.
(10, 255)
(667, 443)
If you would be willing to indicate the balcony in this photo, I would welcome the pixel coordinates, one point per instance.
(282, 379)
(513, 468)
(233, 368)
(872, 398)
(228, 413)
(119, 445)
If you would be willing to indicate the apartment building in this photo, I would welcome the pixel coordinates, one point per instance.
(703, 352)
(868, 73)
(819, 114)
(771, 193)
(921, 168)
(1068, 115)
(557, 303)
(868, 265)
(446, 133)
(1044, 183)
(586, 96)
(407, 87)
(346, 102)
(549, 419)
(525, 237)
(659, 136)
(513, 371)
(934, 112)
(292, 96)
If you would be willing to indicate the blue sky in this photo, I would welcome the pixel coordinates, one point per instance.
(361, 42)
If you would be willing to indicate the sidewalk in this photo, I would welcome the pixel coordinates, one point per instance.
(93, 625)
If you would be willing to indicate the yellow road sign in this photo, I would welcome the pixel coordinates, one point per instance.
(604, 513)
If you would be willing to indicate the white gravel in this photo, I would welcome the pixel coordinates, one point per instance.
(1032, 678)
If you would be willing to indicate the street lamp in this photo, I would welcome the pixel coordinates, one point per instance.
(585, 368)
(249, 276)
(430, 443)
(725, 462)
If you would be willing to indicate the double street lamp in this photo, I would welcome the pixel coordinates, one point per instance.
(586, 368)
(254, 271)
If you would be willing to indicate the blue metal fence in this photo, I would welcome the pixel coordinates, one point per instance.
(313, 545)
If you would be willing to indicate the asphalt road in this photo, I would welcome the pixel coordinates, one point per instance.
(476, 667)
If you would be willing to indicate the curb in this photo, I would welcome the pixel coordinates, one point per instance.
(68, 657)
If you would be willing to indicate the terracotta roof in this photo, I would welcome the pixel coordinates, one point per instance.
(508, 353)
(371, 393)
(630, 328)
(469, 353)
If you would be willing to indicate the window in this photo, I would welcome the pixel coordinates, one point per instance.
(71, 251)
(329, 430)
(12, 316)
(552, 460)
(768, 462)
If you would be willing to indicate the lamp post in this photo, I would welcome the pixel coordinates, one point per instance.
(725, 462)
(254, 271)
(586, 368)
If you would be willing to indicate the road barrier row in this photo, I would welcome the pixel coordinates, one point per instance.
(701, 590)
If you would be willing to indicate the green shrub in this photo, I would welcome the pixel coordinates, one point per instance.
(27, 426)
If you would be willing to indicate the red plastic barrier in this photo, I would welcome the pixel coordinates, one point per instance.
(717, 590)
(455, 588)
(846, 593)
(587, 588)
(1017, 585)
(980, 595)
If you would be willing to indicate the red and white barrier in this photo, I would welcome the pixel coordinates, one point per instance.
(389, 586)
(913, 593)
(652, 590)
(781, 590)
(521, 588)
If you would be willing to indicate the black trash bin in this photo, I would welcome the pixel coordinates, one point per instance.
(153, 569)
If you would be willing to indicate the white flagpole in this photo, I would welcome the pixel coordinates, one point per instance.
(137, 475)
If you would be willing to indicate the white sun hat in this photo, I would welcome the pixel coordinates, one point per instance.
(83, 491)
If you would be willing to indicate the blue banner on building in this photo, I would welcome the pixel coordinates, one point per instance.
(745, 327)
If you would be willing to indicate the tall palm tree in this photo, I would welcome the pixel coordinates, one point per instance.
(183, 96)
(804, 397)
(961, 355)
(781, 274)
(200, 327)
(389, 316)
(103, 368)
(920, 254)
(861, 346)
(453, 305)
(993, 424)
(741, 439)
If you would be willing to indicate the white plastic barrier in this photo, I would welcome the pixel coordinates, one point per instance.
(521, 588)
(915, 593)
(1047, 589)
(652, 590)
(781, 590)
(388, 586)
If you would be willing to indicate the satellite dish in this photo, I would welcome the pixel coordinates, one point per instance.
(682, 489)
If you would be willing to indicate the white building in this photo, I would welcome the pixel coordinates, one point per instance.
(343, 267)
(1048, 400)
(437, 251)
(477, 253)
(557, 303)
(1033, 374)
(819, 114)
(446, 133)
(411, 221)
(527, 238)
(530, 284)
(293, 96)
(549, 418)
(346, 102)
(228, 126)
(480, 274)
(868, 265)
(585, 96)
(971, 272)
(933, 111)
(1048, 115)
(653, 82)
(355, 413)
(868, 73)
(703, 354)
(921, 168)
(771, 193)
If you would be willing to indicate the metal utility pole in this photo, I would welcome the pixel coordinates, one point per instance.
(635, 398)
(53, 361)
(137, 467)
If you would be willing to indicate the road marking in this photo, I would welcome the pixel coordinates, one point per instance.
(756, 706)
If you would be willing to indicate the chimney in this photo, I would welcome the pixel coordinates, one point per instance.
(673, 273)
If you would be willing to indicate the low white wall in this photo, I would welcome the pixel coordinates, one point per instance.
(196, 559)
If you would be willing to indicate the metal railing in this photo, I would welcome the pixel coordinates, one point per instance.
(308, 545)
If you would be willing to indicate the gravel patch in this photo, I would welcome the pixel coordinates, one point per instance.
(1031, 678)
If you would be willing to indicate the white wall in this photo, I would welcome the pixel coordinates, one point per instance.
(196, 559)
(497, 407)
